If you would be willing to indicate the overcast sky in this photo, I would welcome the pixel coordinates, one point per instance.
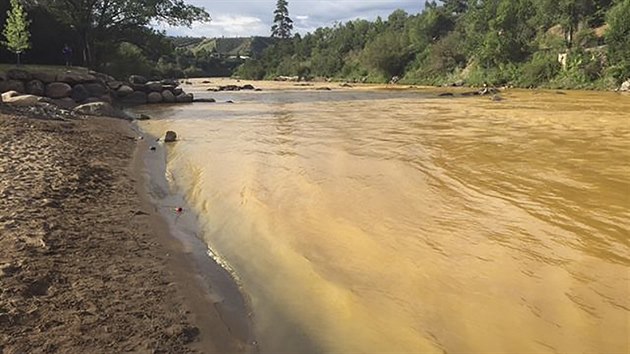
(240, 18)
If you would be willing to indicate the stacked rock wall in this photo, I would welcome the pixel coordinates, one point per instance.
(69, 89)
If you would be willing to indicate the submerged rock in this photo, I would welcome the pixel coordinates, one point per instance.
(170, 136)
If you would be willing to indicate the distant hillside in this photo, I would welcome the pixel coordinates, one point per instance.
(248, 46)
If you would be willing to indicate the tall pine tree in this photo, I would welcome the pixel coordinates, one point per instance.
(283, 25)
(16, 30)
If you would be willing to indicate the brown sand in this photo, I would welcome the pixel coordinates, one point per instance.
(85, 265)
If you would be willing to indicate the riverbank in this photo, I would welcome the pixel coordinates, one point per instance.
(86, 263)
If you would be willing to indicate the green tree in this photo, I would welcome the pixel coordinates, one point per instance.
(388, 54)
(16, 30)
(108, 22)
(283, 25)
(618, 39)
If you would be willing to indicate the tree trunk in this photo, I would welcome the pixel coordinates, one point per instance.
(85, 43)
(18, 58)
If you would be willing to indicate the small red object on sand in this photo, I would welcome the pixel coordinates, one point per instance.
(179, 210)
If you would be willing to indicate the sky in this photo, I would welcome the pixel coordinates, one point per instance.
(243, 18)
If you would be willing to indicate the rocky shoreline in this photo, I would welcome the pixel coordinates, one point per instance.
(87, 92)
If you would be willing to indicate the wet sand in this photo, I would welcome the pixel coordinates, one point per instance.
(87, 264)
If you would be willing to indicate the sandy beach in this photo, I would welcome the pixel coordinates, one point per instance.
(86, 263)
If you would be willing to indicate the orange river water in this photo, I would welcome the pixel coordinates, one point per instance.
(380, 221)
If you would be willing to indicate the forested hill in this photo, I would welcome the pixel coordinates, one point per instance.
(242, 46)
(527, 43)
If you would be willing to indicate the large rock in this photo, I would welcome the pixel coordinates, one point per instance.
(45, 77)
(136, 97)
(80, 93)
(154, 97)
(170, 136)
(12, 85)
(114, 85)
(137, 80)
(170, 82)
(625, 87)
(155, 86)
(96, 109)
(35, 87)
(96, 89)
(14, 98)
(168, 96)
(101, 76)
(58, 90)
(65, 103)
(178, 91)
(124, 91)
(18, 74)
(75, 78)
(185, 98)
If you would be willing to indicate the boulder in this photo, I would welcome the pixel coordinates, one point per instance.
(178, 91)
(101, 76)
(138, 87)
(44, 77)
(114, 85)
(154, 86)
(79, 93)
(15, 99)
(75, 78)
(168, 87)
(96, 109)
(154, 97)
(96, 89)
(18, 74)
(247, 87)
(106, 98)
(143, 117)
(185, 98)
(168, 96)
(58, 90)
(35, 87)
(206, 100)
(137, 80)
(170, 136)
(170, 82)
(625, 87)
(124, 90)
(65, 103)
(12, 85)
(136, 97)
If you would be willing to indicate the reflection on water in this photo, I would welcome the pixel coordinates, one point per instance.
(376, 222)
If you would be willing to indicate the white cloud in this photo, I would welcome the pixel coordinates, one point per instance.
(254, 17)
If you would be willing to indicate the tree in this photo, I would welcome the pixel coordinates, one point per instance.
(283, 25)
(16, 30)
(109, 22)
(618, 39)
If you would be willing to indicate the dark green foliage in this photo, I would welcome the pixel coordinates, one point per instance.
(388, 54)
(541, 69)
(497, 42)
(618, 39)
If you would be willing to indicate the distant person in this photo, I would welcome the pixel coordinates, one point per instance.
(67, 54)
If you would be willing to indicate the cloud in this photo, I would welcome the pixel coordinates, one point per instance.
(239, 18)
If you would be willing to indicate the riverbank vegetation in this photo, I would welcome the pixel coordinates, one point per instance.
(525, 43)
